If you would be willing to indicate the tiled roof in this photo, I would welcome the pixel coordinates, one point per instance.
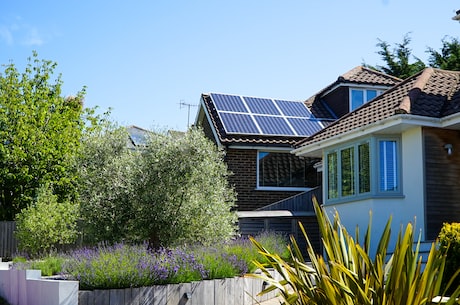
(358, 75)
(236, 139)
(432, 93)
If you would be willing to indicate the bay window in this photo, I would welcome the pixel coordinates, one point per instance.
(366, 168)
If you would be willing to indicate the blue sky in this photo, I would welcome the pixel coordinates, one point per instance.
(143, 58)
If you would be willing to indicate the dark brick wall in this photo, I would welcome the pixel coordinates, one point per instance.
(243, 164)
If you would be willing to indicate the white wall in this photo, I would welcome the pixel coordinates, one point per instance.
(409, 208)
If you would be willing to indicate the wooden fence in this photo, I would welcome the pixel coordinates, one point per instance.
(8, 243)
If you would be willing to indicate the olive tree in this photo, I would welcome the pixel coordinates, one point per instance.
(105, 183)
(182, 193)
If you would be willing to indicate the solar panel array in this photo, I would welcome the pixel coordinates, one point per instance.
(262, 116)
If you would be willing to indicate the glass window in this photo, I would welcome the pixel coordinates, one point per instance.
(283, 169)
(360, 96)
(388, 171)
(348, 171)
(332, 176)
(370, 94)
(364, 168)
(357, 98)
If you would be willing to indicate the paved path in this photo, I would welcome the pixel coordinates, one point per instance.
(275, 301)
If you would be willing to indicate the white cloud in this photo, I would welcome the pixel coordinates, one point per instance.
(6, 35)
(32, 37)
(20, 32)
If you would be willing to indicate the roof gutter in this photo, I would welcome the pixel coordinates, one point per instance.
(401, 120)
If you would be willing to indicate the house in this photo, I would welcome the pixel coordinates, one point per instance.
(398, 155)
(137, 137)
(258, 134)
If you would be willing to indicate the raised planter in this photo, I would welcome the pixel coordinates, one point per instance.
(27, 287)
(229, 291)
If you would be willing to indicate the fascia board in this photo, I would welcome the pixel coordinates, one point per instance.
(379, 126)
(208, 117)
(453, 119)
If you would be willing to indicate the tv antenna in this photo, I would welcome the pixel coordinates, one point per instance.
(183, 104)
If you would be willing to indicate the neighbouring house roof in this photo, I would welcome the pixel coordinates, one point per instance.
(240, 139)
(432, 93)
(137, 136)
(357, 76)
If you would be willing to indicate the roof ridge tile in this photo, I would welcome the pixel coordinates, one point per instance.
(412, 95)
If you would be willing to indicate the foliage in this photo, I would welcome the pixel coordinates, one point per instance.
(122, 265)
(348, 275)
(106, 183)
(40, 134)
(397, 61)
(172, 191)
(49, 265)
(3, 301)
(46, 224)
(243, 249)
(182, 193)
(449, 56)
(449, 243)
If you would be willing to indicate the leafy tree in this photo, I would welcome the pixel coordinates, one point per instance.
(449, 56)
(106, 183)
(397, 61)
(182, 193)
(46, 224)
(40, 135)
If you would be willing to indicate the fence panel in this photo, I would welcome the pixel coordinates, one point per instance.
(8, 243)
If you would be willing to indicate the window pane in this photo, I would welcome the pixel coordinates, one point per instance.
(371, 94)
(285, 170)
(348, 173)
(388, 166)
(357, 98)
(332, 176)
(364, 168)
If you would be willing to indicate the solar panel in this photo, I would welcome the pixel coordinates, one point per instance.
(263, 116)
(238, 123)
(294, 109)
(305, 127)
(261, 105)
(225, 102)
(272, 125)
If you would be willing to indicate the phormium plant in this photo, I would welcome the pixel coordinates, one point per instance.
(347, 274)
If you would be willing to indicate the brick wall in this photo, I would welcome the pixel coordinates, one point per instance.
(243, 164)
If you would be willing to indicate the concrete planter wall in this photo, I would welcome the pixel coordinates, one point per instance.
(27, 287)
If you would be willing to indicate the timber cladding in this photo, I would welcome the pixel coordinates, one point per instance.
(243, 164)
(442, 179)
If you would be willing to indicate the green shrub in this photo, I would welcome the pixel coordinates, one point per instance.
(347, 274)
(46, 224)
(449, 243)
(50, 265)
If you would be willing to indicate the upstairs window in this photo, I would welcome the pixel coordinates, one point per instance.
(283, 170)
(360, 96)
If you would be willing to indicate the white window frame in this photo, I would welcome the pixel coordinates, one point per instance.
(365, 93)
(374, 170)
